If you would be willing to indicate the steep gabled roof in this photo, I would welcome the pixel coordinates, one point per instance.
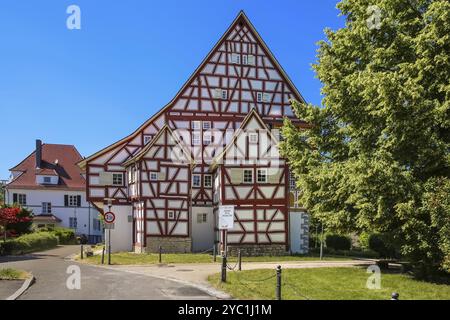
(144, 151)
(252, 114)
(241, 17)
(69, 173)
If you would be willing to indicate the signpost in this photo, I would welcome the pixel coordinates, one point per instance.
(109, 224)
(226, 222)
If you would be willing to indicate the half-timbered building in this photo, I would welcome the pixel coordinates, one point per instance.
(215, 143)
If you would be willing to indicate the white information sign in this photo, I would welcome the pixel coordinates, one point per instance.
(226, 217)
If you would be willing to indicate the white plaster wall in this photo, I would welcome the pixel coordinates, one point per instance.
(122, 234)
(84, 214)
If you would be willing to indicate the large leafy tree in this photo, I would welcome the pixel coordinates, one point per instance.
(376, 157)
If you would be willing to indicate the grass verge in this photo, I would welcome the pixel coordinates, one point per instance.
(127, 258)
(327, 284)
(13, 274)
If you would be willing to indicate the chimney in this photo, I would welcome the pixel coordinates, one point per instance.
(38, 153)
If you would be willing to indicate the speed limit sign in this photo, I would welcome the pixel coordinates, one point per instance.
(109, 217)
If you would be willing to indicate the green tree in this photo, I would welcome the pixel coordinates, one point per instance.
(380, 142)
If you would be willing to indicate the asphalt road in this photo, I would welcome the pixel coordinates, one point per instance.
(50, 269)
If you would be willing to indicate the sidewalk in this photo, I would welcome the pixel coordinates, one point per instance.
(198, 273)
(9, 287)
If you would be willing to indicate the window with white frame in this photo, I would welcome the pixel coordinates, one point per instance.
(21, 199)
(259, 97)
(170, 214)
(207, 138)
(248, 176)
(147, 139)
(196, 139)
(224, 95)
(73, 223)
(202, 218)
(235, 58)
(196, 125)
(266, 97)
(47, 180)
(117, 179)
(250, 60)
(207, 181)
(153, 176)
(206, 125)
(46, 207)
(262, 175)
(196, 181)
(253, 137)
(292, 181)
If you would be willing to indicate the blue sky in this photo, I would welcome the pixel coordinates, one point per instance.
(91, 87)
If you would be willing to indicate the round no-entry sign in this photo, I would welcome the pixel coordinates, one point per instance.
(109, 217)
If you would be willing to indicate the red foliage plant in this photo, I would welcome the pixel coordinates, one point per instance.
(11, 215)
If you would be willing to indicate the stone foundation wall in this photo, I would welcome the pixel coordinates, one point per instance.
(169, 245)
(257, 250)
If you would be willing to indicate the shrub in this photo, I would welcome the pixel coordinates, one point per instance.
(65, 236)
(29, 243)
(338, 242)
(363, 240)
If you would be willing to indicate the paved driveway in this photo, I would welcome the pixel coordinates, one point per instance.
(50, 269)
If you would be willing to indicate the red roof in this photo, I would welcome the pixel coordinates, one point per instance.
(57, 159)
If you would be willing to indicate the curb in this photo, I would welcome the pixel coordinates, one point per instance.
(26, 285)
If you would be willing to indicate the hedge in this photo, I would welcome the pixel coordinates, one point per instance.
(65, 236)
(28, 243)
(338, 242)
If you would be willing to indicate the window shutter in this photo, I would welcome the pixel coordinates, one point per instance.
(78, 201)
(161, 176)
(15, 198)
(66, 200)
(274, 175)
(236, 176)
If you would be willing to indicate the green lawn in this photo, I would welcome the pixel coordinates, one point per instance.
(126, 258)
(12, 274)
(327, 284)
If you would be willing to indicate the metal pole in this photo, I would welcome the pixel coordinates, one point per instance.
(239, 260)
(224, 268)
(82, 252)
(215, 253)
(160, 254)
(109, 246)
(321, 244)
(278, 292)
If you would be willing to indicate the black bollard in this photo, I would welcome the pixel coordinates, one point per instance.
(278, 293)
(239, 260)
(103, 255)
(224, 268)
(82, 252)
(160, 254)
(395, 296)
(215, 253)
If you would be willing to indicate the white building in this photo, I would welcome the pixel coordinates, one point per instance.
(49, 183)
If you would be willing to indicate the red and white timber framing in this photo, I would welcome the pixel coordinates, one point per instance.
(239, 75)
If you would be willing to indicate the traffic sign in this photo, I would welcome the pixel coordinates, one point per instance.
(109, 217)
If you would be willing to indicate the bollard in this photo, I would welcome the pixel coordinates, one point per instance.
(160, 254)
(278, 293)
(103, 255)
(82, 252)
(395, 296)
(224, 268)
(215, 253)
(239, 260)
